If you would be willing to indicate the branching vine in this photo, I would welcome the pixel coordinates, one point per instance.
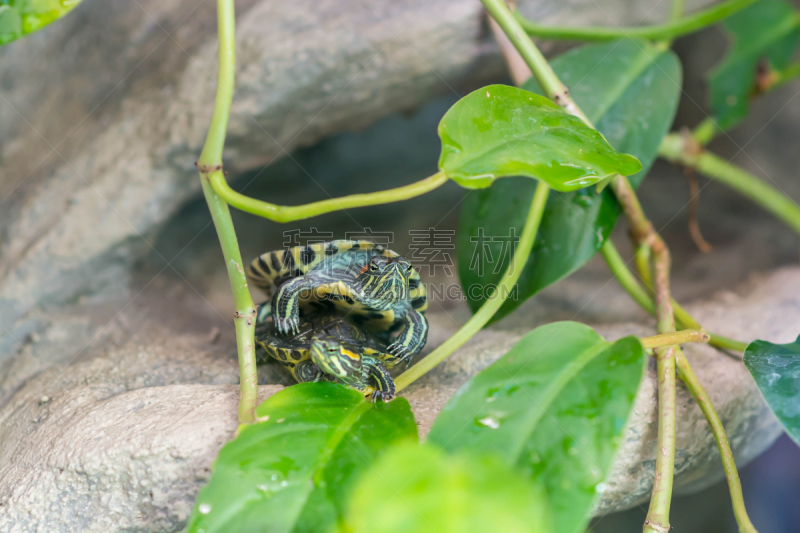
(563, 153)
(652, 257)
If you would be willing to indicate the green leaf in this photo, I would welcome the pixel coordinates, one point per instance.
(630, 91)
(21, 17)
(420, 489)
(554, 408)
(294, 471)
(768, 30)
(776, 370)
(502, 131)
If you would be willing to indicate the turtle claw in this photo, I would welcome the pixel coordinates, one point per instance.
(399, 350)
(287, 326)
(385, 396)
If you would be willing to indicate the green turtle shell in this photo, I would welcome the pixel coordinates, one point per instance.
(272, 269)
(294, 349)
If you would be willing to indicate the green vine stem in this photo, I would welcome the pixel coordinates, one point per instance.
(536, 62)
(496, 299)
(700, 395)
(676, 337)
(520, 72)
(683, 150)
(658, 515)
(644, 235)
(641, 296)
(210, 167)
(689, 378)
(281, 213)
(667, 31)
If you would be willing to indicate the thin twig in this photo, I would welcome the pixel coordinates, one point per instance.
(694, 205)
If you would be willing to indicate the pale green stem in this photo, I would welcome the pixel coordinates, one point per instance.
(729, 465)
(642, 258)
(640, 295)
(282, 213)
(676, 337)
(675, 149)
(658, 514)
(667, 31)
(496, 299)
(643, 297)
(539, 66)
(661, 498)
(210, 166)
(705, 131)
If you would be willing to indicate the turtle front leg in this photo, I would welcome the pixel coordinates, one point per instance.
(264, 312)
(286, 304)
(306, 371)
(377, 375)
(412, 337)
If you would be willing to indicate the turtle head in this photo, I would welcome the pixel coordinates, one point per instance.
(386, 278)
(333, 358)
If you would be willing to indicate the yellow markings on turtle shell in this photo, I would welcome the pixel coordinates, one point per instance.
(271, 266)
(268, 267)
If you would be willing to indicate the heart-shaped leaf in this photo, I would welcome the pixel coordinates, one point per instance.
(776, 370)
(424, 490)
(767, 31)
(294, 471)
(630, 91)
(21, 17)
(502, 131)
(554, 408)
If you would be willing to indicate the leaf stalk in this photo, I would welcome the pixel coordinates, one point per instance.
(685, 150)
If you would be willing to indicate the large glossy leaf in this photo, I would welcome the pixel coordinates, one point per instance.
(776, 370)
(630, 91)
(421, 489)
(766, 31)
(294, 471)
(502, 131)
(554, 407)
(21, 17)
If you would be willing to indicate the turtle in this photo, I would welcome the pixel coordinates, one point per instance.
(379, 288)
(330, 347)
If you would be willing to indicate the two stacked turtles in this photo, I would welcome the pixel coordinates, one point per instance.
(343, 311)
